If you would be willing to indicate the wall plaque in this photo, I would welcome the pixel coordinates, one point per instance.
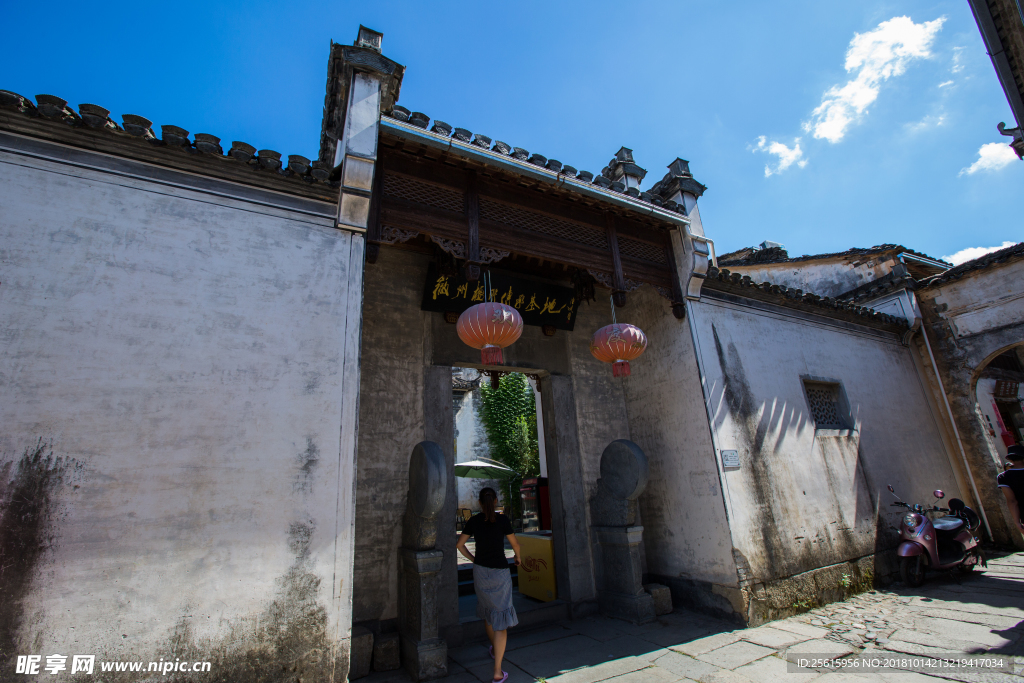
(539, 303)
(730, 459)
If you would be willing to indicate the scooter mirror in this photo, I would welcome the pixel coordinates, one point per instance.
(938, 493)
(891, 489)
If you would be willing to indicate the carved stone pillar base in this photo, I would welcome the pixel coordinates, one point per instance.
(622, 594)
(425, 660)
(638, 609)
(424, 655)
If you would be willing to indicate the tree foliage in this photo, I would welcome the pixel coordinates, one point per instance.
(510, 418)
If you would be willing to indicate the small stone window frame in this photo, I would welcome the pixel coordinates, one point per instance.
(827, 406)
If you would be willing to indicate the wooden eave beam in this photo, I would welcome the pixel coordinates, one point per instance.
(508, 192)
(449, 225)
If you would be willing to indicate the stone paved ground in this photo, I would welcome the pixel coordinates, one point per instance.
(983, 613)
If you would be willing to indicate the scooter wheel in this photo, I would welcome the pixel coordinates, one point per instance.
(912, 571)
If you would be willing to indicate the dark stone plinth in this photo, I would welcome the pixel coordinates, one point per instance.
(427, 489)
(423, 653)
(622, 595)
(360, 653)
(425, 660)
(386, 652)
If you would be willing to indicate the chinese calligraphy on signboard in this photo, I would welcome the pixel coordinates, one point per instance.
(539, 303)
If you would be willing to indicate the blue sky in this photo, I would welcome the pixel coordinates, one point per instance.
(576, 80)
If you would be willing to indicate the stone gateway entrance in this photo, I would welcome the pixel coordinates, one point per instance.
(229, 430)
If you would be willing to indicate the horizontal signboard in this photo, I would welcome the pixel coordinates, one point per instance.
(539, 303)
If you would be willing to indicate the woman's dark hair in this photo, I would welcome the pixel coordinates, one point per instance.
(488, 499)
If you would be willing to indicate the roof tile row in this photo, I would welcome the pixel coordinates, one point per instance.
(986, 261)
(724, 279)
(421, 120)
(98, 118)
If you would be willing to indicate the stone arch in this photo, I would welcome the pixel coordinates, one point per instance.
(992, 355)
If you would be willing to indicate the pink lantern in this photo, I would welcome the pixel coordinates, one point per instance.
(490, 327)
(618, 343)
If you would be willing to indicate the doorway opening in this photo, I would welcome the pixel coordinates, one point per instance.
(1000, 396)
(499, 443)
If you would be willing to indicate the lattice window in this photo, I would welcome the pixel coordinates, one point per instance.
(826, 408)
(413, 190)
(527, 220)
(642, 250)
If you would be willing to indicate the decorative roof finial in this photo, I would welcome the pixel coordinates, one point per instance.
(369, 38)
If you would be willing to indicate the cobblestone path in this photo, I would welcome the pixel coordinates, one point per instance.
(982, 613)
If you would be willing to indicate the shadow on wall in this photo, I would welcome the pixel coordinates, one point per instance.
(799, 550)
(28, 489)
(288, 638)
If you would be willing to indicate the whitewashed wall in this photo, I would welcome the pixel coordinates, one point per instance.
(802, 500)
(187, 352)
(825, 277)
(686, 531)
(471, 444)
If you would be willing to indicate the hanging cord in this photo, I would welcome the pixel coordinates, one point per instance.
(612, 299)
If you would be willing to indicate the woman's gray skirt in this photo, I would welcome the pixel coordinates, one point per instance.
(494, 597)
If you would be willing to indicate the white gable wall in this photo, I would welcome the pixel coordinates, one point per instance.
(186, 351)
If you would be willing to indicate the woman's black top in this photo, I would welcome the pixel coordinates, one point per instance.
(1012, 479)
(490, 539)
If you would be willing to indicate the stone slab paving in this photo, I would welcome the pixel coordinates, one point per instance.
(977, 614)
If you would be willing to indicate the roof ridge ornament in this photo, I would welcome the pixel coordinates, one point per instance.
(623, 169)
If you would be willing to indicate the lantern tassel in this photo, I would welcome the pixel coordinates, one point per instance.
(491, 355)
(621, 368)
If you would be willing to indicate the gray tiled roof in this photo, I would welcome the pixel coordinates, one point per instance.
(174, 138)
(987, 261)
(658, 195)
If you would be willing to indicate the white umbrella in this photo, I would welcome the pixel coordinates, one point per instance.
(484, 468)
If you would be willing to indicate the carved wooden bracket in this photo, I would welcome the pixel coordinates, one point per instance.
(373, 227)
(619, 288)
(473, 227)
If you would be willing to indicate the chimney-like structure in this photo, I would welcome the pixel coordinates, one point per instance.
(361, 83)
(623, 169)
(691, 249)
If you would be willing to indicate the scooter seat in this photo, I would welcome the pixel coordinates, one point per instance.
(948, 523)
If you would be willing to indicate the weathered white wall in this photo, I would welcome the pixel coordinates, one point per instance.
(827, 277)
(471, 444)
(801, 500)
(686, 532)
(600, 403)
(983, 300)
(185, 351)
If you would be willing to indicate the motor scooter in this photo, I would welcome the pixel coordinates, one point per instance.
(943, 543)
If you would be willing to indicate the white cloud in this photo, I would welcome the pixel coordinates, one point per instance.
(971, 253)
(873, 57)
(928, 122)
(945, 83)
(787, 156)
(957, 66)
(991, 157)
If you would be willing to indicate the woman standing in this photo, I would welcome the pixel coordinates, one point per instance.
(492, 578)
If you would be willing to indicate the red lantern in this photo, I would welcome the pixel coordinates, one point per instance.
(490, 327)
(618, 343)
